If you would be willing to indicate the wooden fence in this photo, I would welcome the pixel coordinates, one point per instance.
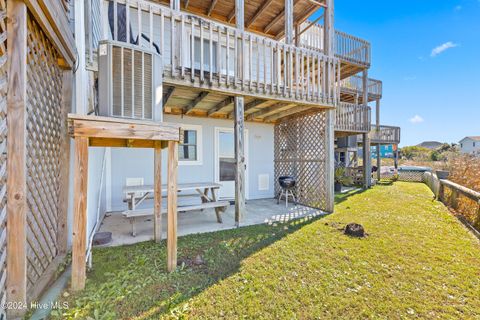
(350, 117)
(464, 201)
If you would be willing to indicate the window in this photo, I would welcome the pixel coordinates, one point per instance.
(461, 145)
(190, 149)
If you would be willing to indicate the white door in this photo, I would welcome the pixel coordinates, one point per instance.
(225, 162)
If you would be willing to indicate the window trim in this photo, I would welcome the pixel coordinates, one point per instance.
(199, 160)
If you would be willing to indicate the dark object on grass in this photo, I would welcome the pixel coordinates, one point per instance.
(101, 238)
(355, 230)
(198, 260)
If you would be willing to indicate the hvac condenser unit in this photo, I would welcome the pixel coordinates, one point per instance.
(130, 81)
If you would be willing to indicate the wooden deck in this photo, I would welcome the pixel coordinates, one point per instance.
(386, 135)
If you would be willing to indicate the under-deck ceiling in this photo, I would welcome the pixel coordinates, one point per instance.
(262, 16)
(195, 102)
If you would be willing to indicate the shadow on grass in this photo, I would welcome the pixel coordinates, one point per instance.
(132, 281)
(340, 197)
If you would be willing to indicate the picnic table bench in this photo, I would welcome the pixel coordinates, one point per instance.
(137, 194)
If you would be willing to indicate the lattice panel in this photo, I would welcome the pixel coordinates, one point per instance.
(44, 140)
(411, 176)
(3, 153)
(300, 151)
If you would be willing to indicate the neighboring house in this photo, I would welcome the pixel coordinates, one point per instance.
(470, 145)
(254, 86)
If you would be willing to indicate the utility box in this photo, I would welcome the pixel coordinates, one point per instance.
(130, 81)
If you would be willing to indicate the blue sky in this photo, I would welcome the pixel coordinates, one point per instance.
(432, 95)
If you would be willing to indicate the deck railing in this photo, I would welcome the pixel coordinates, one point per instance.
(354, 84)
(347, 47)
(352, 118)
(386, 135)
(203, 53)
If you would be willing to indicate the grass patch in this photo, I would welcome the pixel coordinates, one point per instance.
(417, 261)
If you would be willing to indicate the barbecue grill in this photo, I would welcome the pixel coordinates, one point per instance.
(287, 185)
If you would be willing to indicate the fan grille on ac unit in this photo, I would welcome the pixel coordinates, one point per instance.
(132, 81)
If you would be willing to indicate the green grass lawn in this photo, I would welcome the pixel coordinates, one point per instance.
(417, 262)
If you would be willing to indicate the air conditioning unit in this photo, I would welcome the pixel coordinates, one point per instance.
(130, 81)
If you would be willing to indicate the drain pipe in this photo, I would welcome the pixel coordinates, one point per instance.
(97, 222)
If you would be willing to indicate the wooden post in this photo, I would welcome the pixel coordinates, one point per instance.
(330, 160)
(16, 161)
(175, 5)
(80, 183)
(329, 36)
(158, 192)
(367, 164)
(379, 162)
(289, 21)
(62, 233)
(172, 206)
(239, 160)
(395, 157)
(240, 14)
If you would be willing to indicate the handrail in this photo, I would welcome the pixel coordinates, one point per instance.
(350, 117)
(355, 83)
(347, 47)
(385, 135)
(205, 51)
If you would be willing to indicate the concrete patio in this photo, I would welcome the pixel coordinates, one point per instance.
(258, 212)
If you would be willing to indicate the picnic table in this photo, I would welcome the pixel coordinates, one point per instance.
(207, 191)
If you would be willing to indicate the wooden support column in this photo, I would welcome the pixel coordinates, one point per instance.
(16, 161)
(240, 14)
(377, 127)
(62, 233)
(172, 205)
(367, 161)
(289, 21)
(329, 36)
(239, 160)
(379, 162)
(395, 157)
(330, 160)
(80, 183)
(157, 229)
(175, 5)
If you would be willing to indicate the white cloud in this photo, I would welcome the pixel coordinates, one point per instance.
(458, 8)
(416, 119)
(443, 47)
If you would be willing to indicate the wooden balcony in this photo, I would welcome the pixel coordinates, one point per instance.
(351, 89)
(207, 63)
(353, 52)
(386, 135)
(352, 119)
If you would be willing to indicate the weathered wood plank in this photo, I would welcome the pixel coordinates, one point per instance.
(157, 192)
(62, 229)
(16, 150)
(167, 96)
(103, 127)
(258, 13)
(239, 136)
(202, 95)
(225, 103)
(79, 241)
(172, 205)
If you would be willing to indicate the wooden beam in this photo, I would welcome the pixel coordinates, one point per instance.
(230, 16)
(172, 206)
(62, 226)
(195, 101)
(221, 105)
(259, 12)
(279, 17)
(17, 158)
(250, 105)
(239, 136)
(298, 21)
(121, 143)
(286, 113)
(79, 240)
(167, 96)
(269, 110)
(116, 128)
(311, 24)
(212, 6)
(186, 3)
(157, 194)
